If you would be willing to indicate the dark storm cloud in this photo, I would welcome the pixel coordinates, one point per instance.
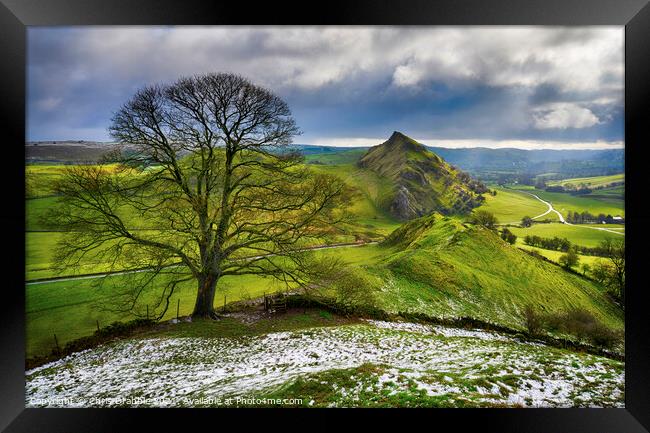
(487, 83)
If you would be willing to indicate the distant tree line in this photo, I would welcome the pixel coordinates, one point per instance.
(585, 217)
(580, 189)
(564, 245)
(555, 243)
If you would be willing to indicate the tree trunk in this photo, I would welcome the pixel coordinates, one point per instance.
(204, 306)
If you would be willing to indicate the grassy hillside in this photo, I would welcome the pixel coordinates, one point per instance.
(422, 182)
(437, 266)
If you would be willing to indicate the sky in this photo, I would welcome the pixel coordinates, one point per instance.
(525, 87)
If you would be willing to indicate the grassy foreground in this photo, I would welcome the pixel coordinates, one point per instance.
(319, 360)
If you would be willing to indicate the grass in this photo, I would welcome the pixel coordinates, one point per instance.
(555, 255)
(71, 309)
(350, 156)
(373, 193)
(511, 206)
(230, 327)
(39, 178)
(448, 270)
(331, 361)
(563, 202)
(577, 234)
(444, 270)
(591, 182)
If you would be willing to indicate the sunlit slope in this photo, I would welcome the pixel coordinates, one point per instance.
(438, 266)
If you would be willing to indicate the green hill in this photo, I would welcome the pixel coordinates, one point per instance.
(438, 266)
(422, 181)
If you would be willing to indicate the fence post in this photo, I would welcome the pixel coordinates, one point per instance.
(178, 306)
(97, 325)
(147, 311)
(56, 342)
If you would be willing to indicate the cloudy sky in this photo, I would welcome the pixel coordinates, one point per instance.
(527, 87)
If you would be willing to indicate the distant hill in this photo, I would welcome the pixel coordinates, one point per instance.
(422, 181)
(66, 151)
(491, 163)
(482, 163)
(495, 164)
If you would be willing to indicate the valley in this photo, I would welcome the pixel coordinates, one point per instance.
(412, 254)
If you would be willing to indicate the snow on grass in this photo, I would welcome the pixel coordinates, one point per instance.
(433, 360)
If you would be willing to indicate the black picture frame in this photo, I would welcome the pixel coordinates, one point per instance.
(15, 15)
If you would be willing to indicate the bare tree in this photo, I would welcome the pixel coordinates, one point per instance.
(204, 187)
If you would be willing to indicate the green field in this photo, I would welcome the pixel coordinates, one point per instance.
(564, 202)
(510, 206)
(70, 309)
(591, 182)
(555, 255)
(577, 234)
(344, 157)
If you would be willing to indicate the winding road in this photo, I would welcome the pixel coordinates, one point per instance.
(562, 220)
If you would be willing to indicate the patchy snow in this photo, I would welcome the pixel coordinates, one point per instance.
(437, 361)
(442, 330)
(402, 326)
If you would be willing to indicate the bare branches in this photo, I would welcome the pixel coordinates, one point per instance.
(203, 178)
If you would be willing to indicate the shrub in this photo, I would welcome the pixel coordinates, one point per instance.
(533, 320)
(508, 236)
(570, 259)
(526, 221)
(484, 218)
(582, 324)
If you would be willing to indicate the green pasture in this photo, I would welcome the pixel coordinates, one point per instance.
(591, 182)
(511, 206)
(555, 255)
(70, 309)
(564, 202)
(343, 157)
(577, 234)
